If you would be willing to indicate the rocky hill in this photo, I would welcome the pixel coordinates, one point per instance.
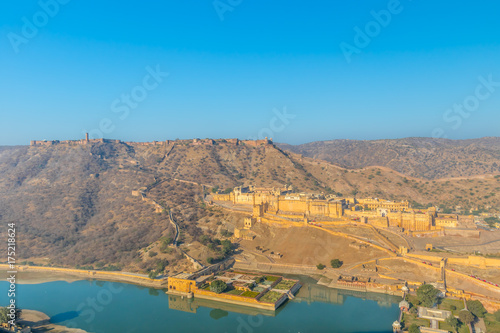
(73, 204)
(417, 157)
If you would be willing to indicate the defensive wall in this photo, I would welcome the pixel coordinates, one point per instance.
(70, 142)
(193, 142)
(340, 234)
(374, 203)
(477, 261)
(462, 233)
(450, 272)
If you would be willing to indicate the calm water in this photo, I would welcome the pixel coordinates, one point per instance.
(109, 307)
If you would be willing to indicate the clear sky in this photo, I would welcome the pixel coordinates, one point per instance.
(297, 71)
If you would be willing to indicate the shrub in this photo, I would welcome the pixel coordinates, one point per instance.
(466, 317)
(251, 294)
(271, 297)
(271, 278)
(218, 286)
(413, 329)
(477, 308)
(497, 316)
(4, 318)
(453, 322)
(427, 295)
(320, 266)
(336, 263)
(226, 246)
(153, 254)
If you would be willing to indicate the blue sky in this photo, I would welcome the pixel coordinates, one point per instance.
(247, 69)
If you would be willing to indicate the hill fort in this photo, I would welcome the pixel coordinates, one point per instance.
(194, 142)
(282, 205)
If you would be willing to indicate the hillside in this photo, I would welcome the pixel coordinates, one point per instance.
(417, 157)
(73, 204)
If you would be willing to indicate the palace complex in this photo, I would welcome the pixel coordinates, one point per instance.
(283, 205)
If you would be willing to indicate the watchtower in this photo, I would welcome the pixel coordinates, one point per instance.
(248, 221)
(396, 327)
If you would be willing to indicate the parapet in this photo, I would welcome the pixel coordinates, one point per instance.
(257, 143)
(69, 142)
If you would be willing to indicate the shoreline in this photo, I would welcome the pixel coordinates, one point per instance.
(49, 274)
(40, 322)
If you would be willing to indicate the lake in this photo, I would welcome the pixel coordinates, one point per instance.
(111, 307)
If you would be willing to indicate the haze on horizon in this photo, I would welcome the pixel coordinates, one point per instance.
(294, 71)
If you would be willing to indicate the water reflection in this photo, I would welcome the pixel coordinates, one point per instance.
(309, 293)
(191, 305)
(218, 314)
(154, 292)
(59, 318)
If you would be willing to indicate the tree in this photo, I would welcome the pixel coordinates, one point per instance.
(336, 263)
(497, 316)
(204, 239)
(320, 266)
(153, 274)
(453, 322)
(477, 308)
(161, 264)
(413, 329)
(218, 286)
(466, 316)
(427, 295)
(226, 246)
(3, 315)
(492, 220)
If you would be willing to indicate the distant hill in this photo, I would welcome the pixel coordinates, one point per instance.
(417, 157)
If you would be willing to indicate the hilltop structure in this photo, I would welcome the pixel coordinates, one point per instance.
(193, 142)
(284, 206)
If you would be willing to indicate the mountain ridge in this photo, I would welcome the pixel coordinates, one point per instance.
(73, 203)
(420, 157)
